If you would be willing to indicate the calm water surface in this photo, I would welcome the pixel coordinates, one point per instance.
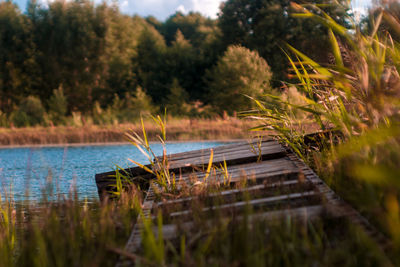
(27, 169)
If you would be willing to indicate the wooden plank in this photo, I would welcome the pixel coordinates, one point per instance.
(171, 231)
(231, 191)
(254, 202)
(230, 150)
(105, 181)
(282, 164)
(220, 150)
(230, 159)
(234, 195)
(262, 172)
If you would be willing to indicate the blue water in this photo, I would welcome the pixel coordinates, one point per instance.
(30, 170)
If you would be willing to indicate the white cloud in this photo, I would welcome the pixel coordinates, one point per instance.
(209, 8)
(361, 4)
(124, 3)
(181, 8)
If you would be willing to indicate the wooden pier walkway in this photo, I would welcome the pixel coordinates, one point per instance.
(278, 182)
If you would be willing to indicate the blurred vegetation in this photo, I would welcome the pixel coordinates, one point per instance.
(354, 103)
(89, 61)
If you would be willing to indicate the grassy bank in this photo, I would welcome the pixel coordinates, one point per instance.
(177, 129)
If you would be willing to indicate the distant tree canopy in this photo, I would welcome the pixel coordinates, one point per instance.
(197, 29)
(70, 40)
(72, 58)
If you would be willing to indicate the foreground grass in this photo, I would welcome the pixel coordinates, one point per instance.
(241, 242)
(178, 130)
(78, 233)
(65, 233)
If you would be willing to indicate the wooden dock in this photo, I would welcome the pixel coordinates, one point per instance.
(278, 182)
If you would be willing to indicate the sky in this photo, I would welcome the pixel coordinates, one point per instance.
(162, 9)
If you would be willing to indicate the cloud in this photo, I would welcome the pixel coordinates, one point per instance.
(209, 8)
(361, 4)
(181, 8)
(124, 3)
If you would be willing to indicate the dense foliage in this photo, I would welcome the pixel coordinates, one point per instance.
(75, 60)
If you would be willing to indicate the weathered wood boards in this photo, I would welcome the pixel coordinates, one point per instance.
(232, 154)
(237, 153)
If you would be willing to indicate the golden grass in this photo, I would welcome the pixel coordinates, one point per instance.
(177, 130)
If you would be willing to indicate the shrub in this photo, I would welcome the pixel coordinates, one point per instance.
(238, 72)
(176, 100)
(30, 112)
(58, 106)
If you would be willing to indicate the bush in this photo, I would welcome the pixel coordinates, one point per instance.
(176, 100)
(239, 72)
(29, 113)
(126, 109)
(58, 106)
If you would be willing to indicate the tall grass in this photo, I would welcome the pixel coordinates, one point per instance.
(165, 180)
(356, 98)
(68, 232)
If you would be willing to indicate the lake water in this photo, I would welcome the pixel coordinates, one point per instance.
(27, 169)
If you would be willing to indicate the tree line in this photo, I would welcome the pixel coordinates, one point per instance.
(74, 60)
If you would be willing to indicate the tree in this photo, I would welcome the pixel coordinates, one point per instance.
(58, 105)
(198, 38)
(238, 72)
(196, 28)
(185, 65)
(70, 41)
(150, 66)
(30, 112)
(122, 38)
(267, 25)
(17, 64)
(176, 100)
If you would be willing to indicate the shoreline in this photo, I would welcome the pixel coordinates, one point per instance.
(118, 143)
(178, 130)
